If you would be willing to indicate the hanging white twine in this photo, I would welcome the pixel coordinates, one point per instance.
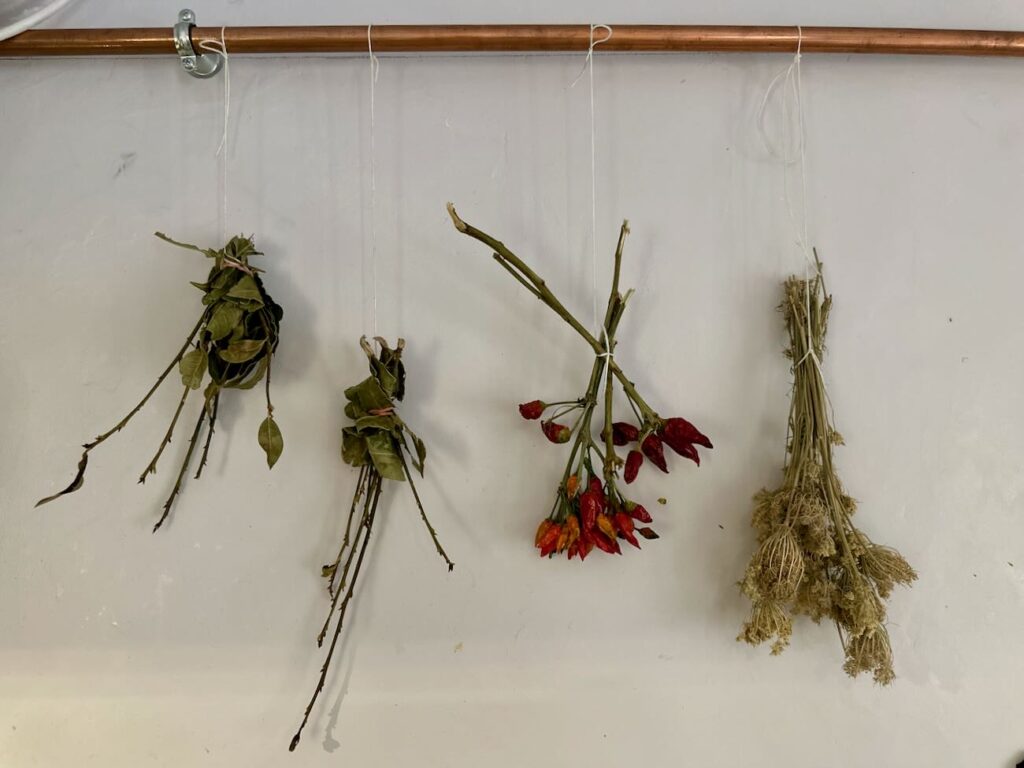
(222, 148)
(793, 153)
(588, 68)
(374, 71)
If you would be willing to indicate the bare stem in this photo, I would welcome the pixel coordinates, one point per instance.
(151, 468)
(184, 469)
(341, 620)
(423, 514)
(539, 288)
(84, 460)
(212, 409)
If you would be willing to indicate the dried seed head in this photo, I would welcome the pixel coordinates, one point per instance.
(778, 566)
(856, 606)
(768, 620)
(815, 597)
(870, 651)
(887, 568)
(769, 512)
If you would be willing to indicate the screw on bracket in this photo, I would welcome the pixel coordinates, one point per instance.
(203, 65)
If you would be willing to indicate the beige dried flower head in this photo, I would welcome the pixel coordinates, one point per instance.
(870, 651)
(812, 521)
(856, 606)
(778, 566)
(769, 512)
(814, 598)
(887, 568)
(768, 620)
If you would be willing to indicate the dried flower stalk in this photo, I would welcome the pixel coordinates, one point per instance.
(811, 559)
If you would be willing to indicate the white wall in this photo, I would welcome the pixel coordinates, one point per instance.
(195, 646)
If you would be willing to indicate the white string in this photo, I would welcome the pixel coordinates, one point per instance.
(222, 49)
(374, 71)
(793, 152)
(588, 67)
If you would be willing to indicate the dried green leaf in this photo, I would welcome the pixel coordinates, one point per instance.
(353, 411)
(366, 423)
(257, 375)
(421, 451)
(271, 440)
(384, 455)
(241, 351)
(224, 319)
(353, 447)
(192, 368)
(246, 289)
(368, 395)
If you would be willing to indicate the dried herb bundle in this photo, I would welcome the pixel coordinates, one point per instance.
(590, 509)
(378, 443)
(233, 342)
(811, 559)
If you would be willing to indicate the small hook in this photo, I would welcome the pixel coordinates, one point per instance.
(203, 65)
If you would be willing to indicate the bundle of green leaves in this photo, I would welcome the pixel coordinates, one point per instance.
(382, 446)
(232, 345)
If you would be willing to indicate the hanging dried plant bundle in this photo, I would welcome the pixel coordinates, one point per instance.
(378, 443)
(233, 343)
(811, 559)
(590, 508)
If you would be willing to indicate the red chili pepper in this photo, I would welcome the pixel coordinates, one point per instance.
(680, 429)
(572, 485)
(624, 433)
(549, 542)
(606, 526)
(625, 525)
(611, 546)
(655, 451)
(684, 449)
(586, 543)
(637, 512)
(541, 530)
(634, 460)
(647, 533)
(556, 433)
(532, 410)
(596, 486)
(572, 525)
(590, 508)
(574, 550)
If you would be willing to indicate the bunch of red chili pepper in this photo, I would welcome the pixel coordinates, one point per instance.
(590, 510)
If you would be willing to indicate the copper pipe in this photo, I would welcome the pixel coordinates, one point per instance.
(519, 38)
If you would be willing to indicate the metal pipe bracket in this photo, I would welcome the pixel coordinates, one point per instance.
(201, 65)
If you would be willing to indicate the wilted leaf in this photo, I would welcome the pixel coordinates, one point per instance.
(421, 451)
(240, 351)
(383, 455)
(192, 368)
(353, 447)
(75, 484)
(246, 290)
(387, 423)
(257, 375)
(368, 395)
(224, 320)
(353, 411)
(271, 440)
